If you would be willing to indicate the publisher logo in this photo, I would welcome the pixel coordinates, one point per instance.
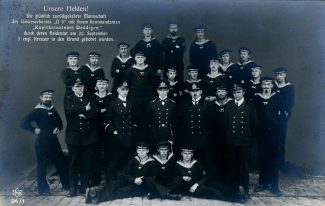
(17, 196)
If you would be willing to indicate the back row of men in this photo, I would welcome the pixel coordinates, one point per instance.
(199, 113)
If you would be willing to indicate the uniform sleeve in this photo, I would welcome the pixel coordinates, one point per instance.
(290, 99)
(58, 120)
(25, 123)
(193, 58)
(71, 108)
(108, 118)
(253, 119)
(149, 114)
(127, 171)
(203, 175)
(114, 67)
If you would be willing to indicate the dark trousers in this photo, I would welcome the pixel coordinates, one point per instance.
(238, 166)
(50, 149)
(122, 189)
(268, 159)
(282, 140)
(80, 162)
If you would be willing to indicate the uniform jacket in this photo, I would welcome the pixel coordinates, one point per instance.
(80, 131)
(90, 78)
(195, 171)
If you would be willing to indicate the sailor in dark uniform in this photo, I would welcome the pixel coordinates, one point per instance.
(212, 80)
(174, 85)
(201, 50)
(137, 179)
(47, 147)
(121, 64)
(120, 126)
(242, 124)
(151, 48)
(243, 69)
(72, 72)
(92, 71)
(287, 98)
(190, 177)
(187, 85)
(226, 66)
(142, 83)
(218, 133)
(268, 110)
(254, 85)
(102, 98)
(173, 51)
(161, 116)
(81, 135)
(193, 127)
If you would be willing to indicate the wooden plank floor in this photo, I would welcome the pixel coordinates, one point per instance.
(307, 191)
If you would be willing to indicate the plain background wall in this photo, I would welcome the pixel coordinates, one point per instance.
(280, 33)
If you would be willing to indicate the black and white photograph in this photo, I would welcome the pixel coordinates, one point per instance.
(162, 102)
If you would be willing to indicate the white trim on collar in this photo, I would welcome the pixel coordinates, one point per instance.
(217, 103)
(185, 166)
(138, 68)
(145, 162)
(202, 42)
(288, 83)
(92, 70)
(40, 106)
(249, 61)
(259, 94)
(123, 61)
(155, 156)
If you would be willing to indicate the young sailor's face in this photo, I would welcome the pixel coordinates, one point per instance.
(123, 51)
(196, 94)
(102, 86)
(140, 59)
(93, 61)
(280, 77)
(163, 151)
(187, 156)
(171, 75)
(142, 153)
(78, 89)
(200, 34)
(193, 75)
(72, 61)
(225, 58)
(256, 72)
(123, 91)
(244, 56)
(214, 65)
(147, 32)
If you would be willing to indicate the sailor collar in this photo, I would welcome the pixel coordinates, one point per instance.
(152, 38)
(254, 82)
(202, 42)
(249, 61)
(172, 37)
(217, 103)
(140, 68)
(219, 74)
(40, 106)
(172, 83)
(186, 166)
(91, 68)
(123, 61)
(261, 95)
(145, 162)
(189, 81)
(226, 67)
(73, 69)
(286, 84)
(107, 93)
(156, 157)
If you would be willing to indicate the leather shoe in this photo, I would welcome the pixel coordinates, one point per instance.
(173, 197)
(87, 196)
(72, 193)
(276, 192)
(260, 188)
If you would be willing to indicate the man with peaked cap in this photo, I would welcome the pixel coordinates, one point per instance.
(193, 72)
(120, 126)
(102, 98)
(72, 72)
(81, 135)
(254, 85)
(218, 133)
(161, 116)
(201, 50)
(173, 51)
(121, 64)
(287, 98)
(47, 147)
(142, 83)
(151, 48)
(242, 124)
(190, 177)
(174, 85)
(268, 109)
(193, 124)
(92, 72)
(242, 72)
(137, 179)
(212, 79)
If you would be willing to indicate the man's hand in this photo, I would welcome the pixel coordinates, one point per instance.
(102, 110)
(115, 132)
(159, 71)
(117, 71)
(37, 130)
(187, 178)
(194, 187)
(88, 107)
(56, 131)
(138, 180)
